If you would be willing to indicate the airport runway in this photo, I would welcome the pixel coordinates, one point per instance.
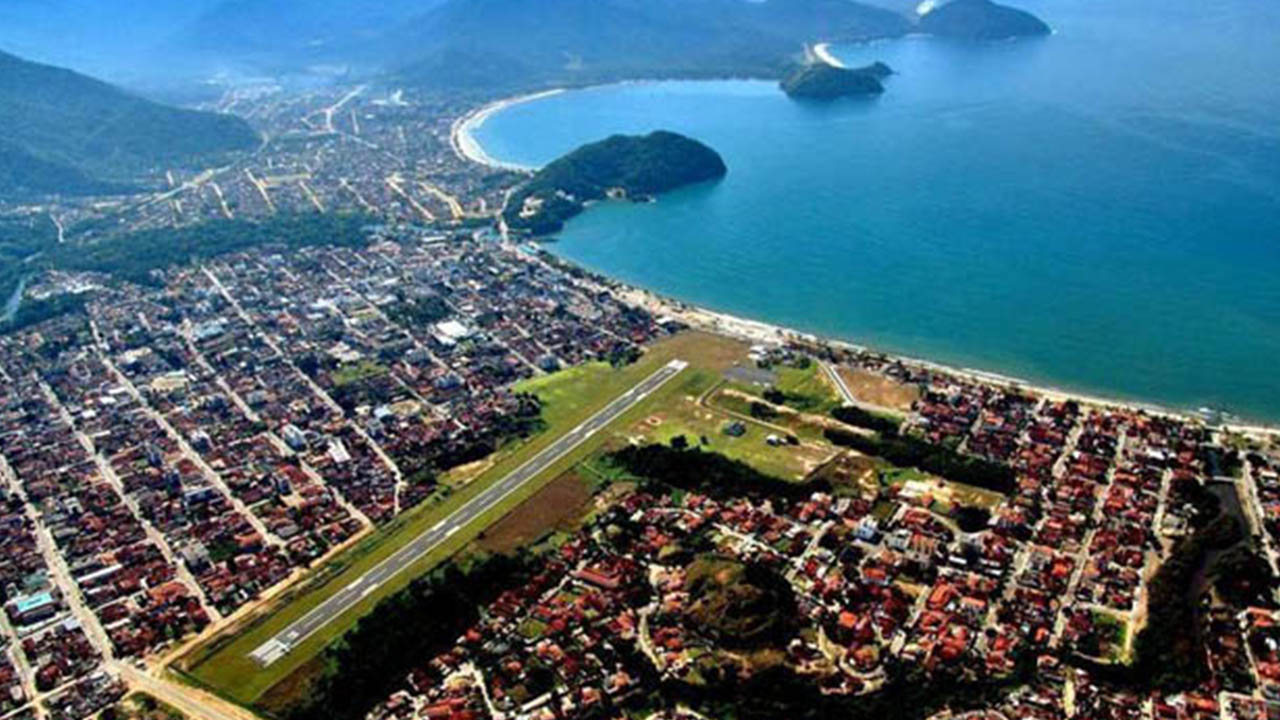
(289, 638)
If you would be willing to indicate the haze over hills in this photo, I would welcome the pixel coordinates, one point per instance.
(113, 39)
(451, 44)
(497, 43)
(68, 133)
(293, 32)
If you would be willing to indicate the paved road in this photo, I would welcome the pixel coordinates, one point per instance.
(195, 704)
(289, 638)
(845, 392)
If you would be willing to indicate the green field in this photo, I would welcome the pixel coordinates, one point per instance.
(733, 398)
(698, 422)
(569, 397)
(807, 389)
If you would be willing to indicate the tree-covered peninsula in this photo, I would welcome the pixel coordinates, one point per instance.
(823, 81)
(981, 20)
(621, 166)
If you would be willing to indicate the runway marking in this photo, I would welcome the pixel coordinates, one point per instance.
(338, 603)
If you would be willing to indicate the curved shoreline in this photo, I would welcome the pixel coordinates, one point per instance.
(464, 143)
(758, 331)
(823, 51)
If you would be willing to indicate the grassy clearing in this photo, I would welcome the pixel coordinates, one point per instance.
(223, 665)
(1111, 632)
(705, 427)
(732, 399)
(356, 372)
(808, 389)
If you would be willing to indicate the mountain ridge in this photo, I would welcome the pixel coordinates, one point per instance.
(502, 44)
(73, 134)
(978, 20)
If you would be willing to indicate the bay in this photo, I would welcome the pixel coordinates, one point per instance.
(1097, 210)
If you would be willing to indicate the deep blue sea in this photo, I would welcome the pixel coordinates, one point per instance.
(1097, 210)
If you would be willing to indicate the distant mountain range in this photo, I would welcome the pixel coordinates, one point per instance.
(297, 32)
(484, 45)
(517, 43)
(67, 133)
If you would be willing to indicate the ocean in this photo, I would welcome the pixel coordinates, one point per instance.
(1098, 210)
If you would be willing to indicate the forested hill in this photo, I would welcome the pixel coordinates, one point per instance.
(821, 81)
(503, 44)
(637, 166)
(67, 133)
(981, 20)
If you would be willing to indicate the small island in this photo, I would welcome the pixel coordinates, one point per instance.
(634, 167)
(823, 81)
(981, 20)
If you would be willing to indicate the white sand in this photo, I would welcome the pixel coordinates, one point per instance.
(757, 332)
(823, 51)
(465, 145)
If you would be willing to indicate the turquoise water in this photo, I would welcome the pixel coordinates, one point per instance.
(1097, 210)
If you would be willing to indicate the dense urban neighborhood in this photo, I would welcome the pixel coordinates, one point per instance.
(198, 449)
(176, 455)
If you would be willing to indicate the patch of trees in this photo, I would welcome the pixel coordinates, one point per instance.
(639, 165)
(905, 451)
(762, 411)
(856, 416)
(371, 660)
(136, 256)
(740, 605)
(970, 518)
(1243, 578)
(1169, 655)
(37, 311)
(1223, 462)
(623, 354)
(420, 311)
(707, 472)
(1205, 506)
(909, 694)
(502, 429)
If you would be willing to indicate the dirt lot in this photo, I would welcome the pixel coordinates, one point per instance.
(852, 470)
(557, 505)
(879, 390)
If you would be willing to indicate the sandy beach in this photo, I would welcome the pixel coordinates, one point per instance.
(763, 333)
(823, 52)
(466, 147)
(758, 332)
